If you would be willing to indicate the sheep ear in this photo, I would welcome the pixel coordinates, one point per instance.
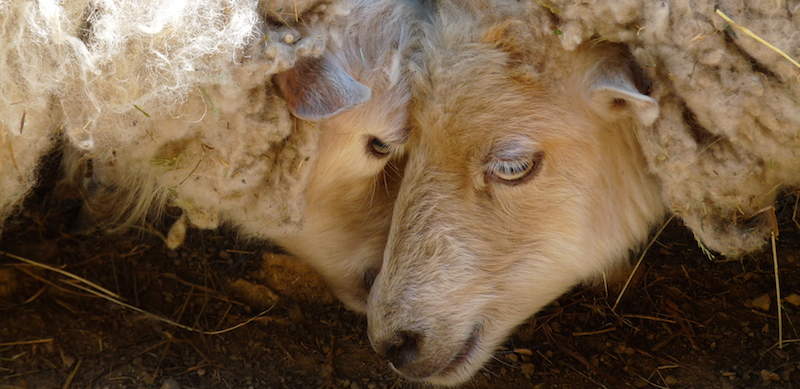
(613, 92)
(317, 88)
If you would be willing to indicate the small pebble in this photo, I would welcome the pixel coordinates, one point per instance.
(640, 383)
(769, 376)
(670, 380)
(170, 383)
(527, 369)
(201, 372)
(67, 360)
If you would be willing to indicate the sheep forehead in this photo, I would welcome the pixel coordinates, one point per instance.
(477, 91)
(487, 110)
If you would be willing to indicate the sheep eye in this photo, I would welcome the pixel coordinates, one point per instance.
(516, 171)
(377, 148)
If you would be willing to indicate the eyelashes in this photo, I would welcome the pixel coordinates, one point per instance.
(505, 170)
(514, 171)
(378, 148)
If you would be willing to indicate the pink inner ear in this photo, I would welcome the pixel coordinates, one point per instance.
(317, 88)
(618, 103)
(613, 92)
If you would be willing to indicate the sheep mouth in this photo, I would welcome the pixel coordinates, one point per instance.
(464, 354)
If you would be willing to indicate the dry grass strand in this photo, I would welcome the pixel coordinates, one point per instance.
(758, 38)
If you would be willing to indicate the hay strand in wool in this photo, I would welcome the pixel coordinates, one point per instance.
(756, 37)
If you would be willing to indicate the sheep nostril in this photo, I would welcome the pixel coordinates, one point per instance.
(404, 349)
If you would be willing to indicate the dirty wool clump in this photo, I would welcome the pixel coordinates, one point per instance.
(177, 91)
(728, 139)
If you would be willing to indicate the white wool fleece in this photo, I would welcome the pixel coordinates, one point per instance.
(81, 66)
(729, 134)
(141, 75)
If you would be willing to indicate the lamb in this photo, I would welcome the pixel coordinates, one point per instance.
(352, 182)
(554, 162)
(213, 135)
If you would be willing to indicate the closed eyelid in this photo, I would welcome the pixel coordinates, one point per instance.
(399, 137)
(512, 152)
(518, 170)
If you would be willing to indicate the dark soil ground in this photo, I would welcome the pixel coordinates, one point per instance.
(264, 321)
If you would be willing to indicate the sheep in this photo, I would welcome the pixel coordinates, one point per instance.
(292, 132)
(78, 68)
(727, 140)
(560, 155)
(352, 182)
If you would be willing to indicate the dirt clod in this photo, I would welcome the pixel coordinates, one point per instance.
(793, 299)
(258, 296)
(762, 302)
(769, 376)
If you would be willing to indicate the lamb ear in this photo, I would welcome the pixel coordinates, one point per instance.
(613, 91)
(317, 88)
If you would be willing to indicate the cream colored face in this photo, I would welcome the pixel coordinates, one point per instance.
(350, 197)
(358, 95)
(518, 185)
(486, 230)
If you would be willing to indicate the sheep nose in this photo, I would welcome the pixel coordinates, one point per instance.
(403, 348)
